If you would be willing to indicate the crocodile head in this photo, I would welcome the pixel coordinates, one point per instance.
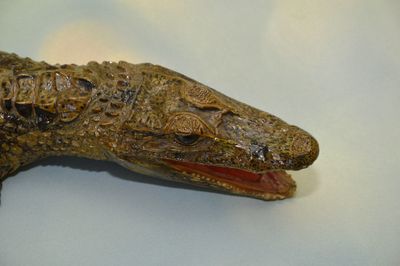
(185, 131)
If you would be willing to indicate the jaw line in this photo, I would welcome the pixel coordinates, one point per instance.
(270, 185)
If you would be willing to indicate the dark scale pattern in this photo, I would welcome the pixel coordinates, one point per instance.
(24, 110)
(43, 118)
(44, 97)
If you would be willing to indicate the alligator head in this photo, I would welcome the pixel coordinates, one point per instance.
(185, 131)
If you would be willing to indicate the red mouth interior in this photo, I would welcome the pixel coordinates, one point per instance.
(274, 182)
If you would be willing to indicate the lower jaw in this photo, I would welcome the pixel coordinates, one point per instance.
(271, 185)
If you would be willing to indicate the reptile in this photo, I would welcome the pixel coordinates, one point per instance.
(149, 119)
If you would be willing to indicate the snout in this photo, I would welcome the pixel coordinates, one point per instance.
(304, 149)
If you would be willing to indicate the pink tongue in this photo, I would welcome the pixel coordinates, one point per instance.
(228, 173)
(271, 182)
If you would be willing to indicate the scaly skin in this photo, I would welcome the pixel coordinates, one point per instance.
(149, 119)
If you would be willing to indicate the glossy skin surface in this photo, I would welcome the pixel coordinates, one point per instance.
(149, 119)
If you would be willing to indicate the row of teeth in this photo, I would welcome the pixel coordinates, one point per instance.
(200, 178)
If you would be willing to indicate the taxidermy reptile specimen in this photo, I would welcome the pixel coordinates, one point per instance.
(149, 119)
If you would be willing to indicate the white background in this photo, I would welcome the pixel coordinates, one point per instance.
(330, 67)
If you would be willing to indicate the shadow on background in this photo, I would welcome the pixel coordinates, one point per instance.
(306, 180)
(113, 169)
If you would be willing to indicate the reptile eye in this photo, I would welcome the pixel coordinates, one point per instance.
(187, 139)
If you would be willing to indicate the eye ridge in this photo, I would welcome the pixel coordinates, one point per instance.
(188, 139)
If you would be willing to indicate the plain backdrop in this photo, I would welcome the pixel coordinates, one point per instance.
(330, 67)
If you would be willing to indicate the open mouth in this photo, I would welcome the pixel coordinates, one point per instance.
(274, 184)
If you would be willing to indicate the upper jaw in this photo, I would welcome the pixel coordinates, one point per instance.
(268, 142)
